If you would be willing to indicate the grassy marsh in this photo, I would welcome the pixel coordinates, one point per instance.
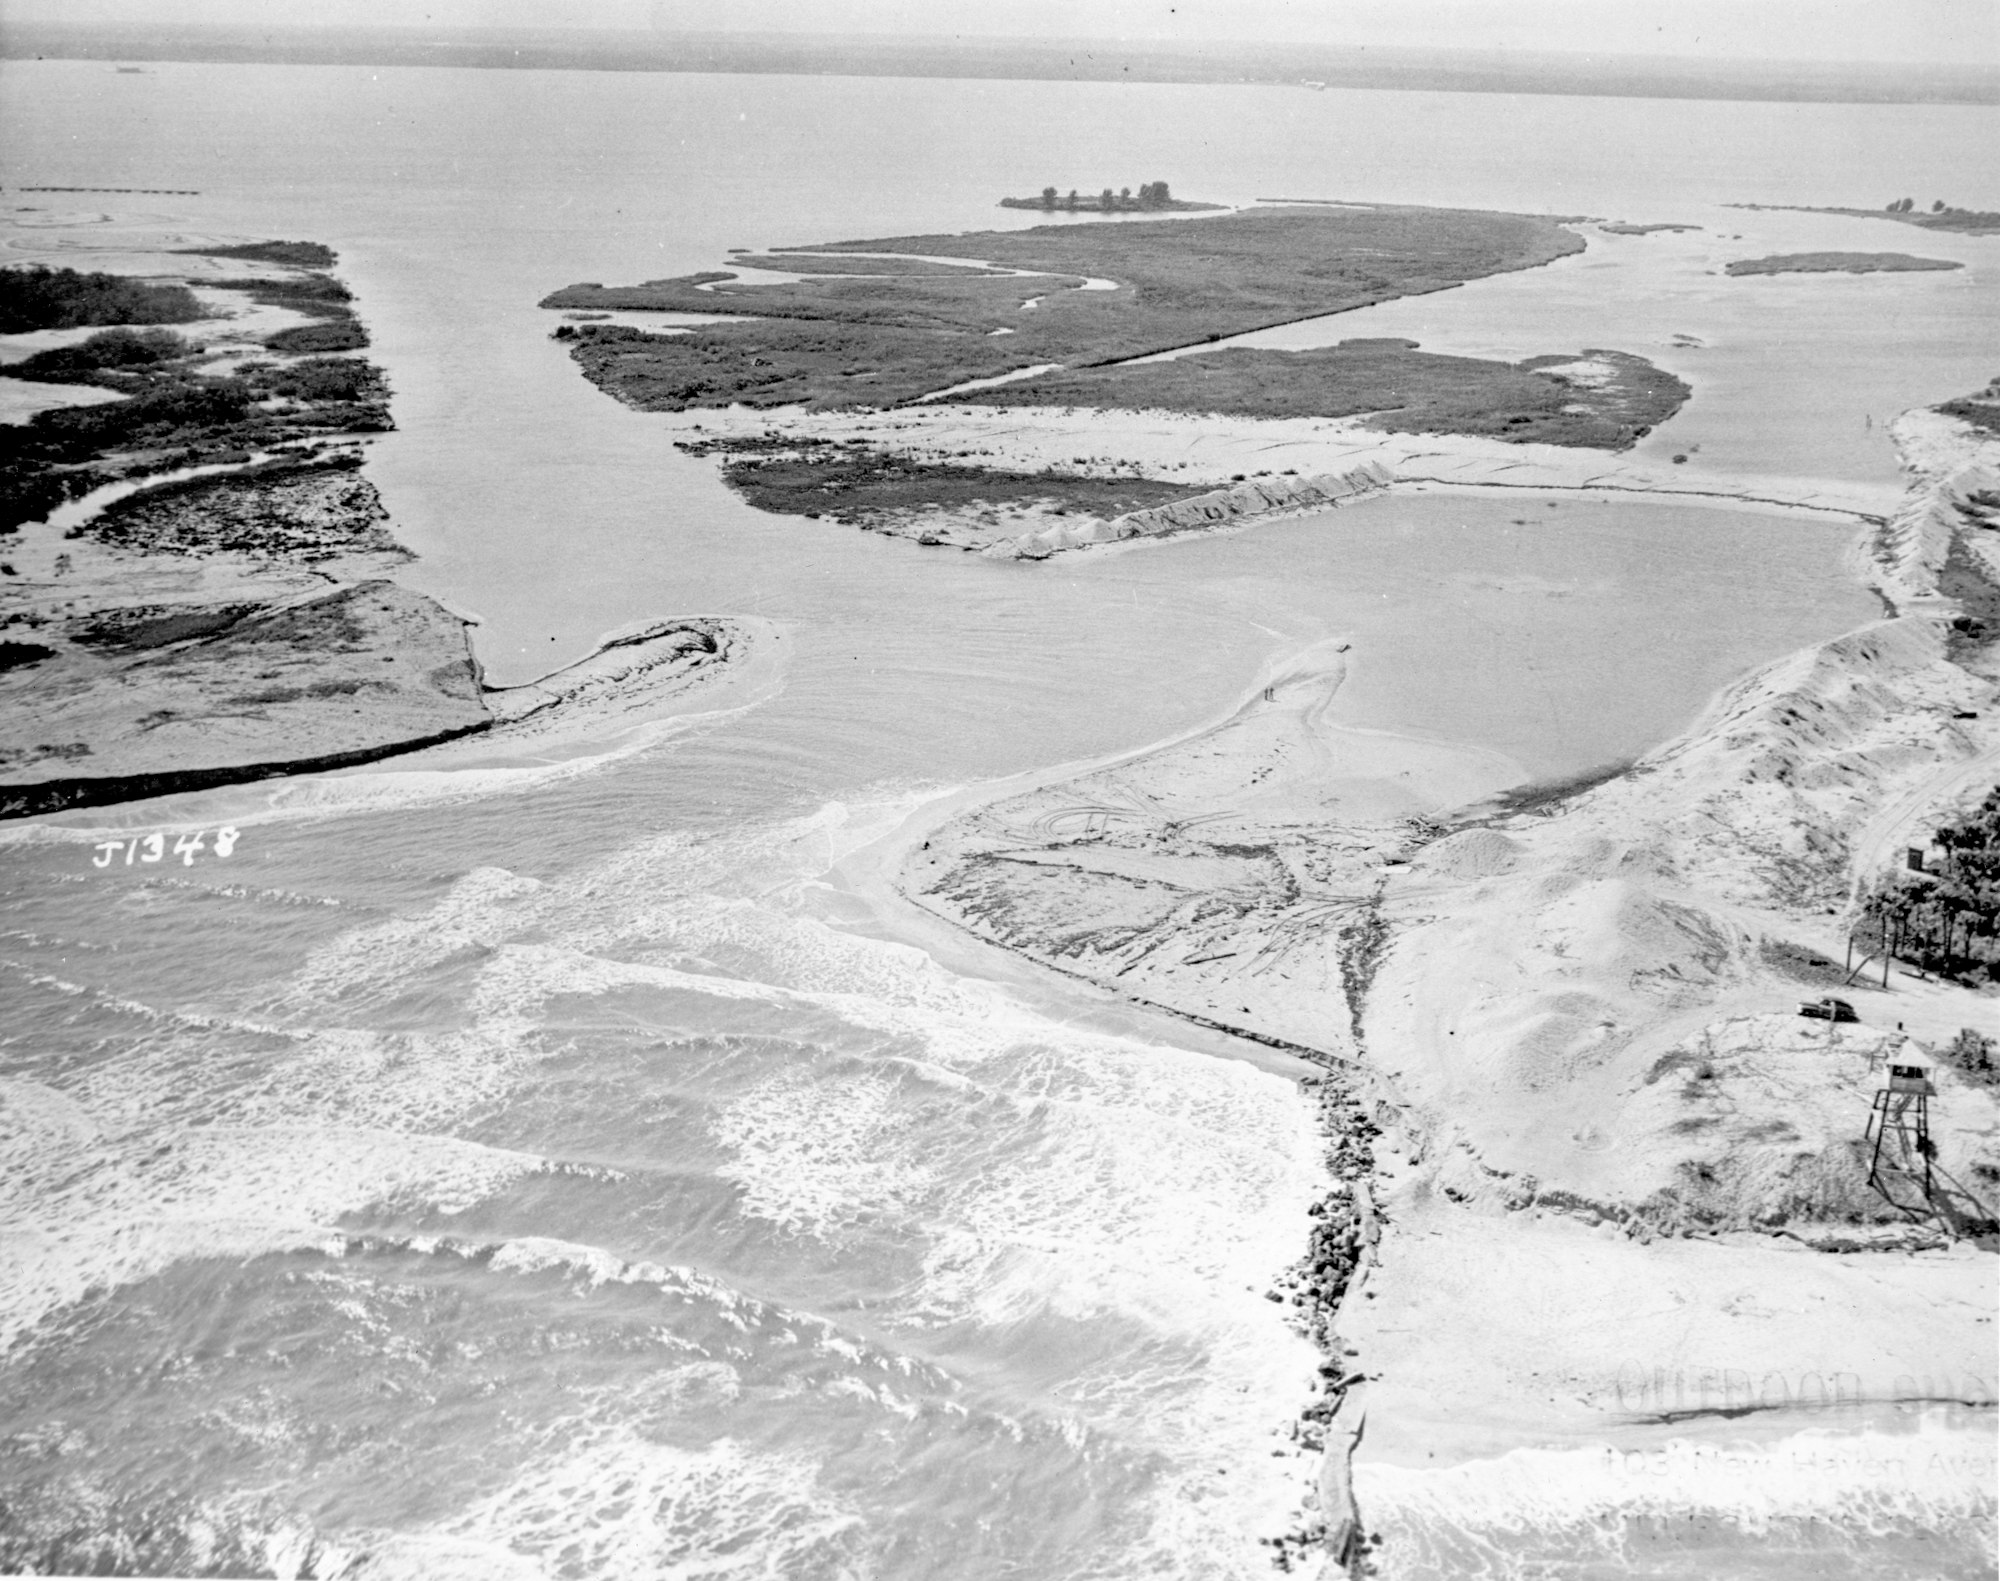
(874, 342)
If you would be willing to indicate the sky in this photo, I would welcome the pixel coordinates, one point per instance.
(1954, 32)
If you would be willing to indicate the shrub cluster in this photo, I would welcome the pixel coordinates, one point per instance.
(322, 379)
(299, 255)
(317, 294)
(345, 334)
(36, 297)
(108, 351)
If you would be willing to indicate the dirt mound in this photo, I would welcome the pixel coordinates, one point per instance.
(1471, 853)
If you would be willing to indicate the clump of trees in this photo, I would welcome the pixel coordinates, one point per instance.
(1972, 1052)
(1906, 205)
(320, 379)
(340, 334)
(1152, 195)
(36, 297)
(109, 351)
(1946, 918)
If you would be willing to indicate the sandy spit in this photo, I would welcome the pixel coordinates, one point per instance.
(1623, 1217)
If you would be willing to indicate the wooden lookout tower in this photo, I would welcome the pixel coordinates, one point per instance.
(1899, 1124)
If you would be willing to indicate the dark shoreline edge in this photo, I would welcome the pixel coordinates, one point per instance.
(26, 801)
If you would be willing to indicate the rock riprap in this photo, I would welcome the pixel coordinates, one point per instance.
(1203, 512)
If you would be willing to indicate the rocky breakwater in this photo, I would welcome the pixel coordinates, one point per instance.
(1202, 512)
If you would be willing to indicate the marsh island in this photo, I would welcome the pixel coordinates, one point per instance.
(1838, 263)
(1062, 318)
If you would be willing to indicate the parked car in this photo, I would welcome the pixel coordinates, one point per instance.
(1828, 1009)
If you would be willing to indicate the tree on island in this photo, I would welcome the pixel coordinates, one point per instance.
(1937, 207)
(1902, 205)
(1072, 200)
(1048, 197)
(1106, 202)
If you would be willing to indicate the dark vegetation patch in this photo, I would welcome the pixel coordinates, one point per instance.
(1542, 796)
(162, 413)
(109, 351)
(15, 655)
(135, 627)
(35, 297)
(297, 255)
(1974, 222)
(1972, 1055)
(1624, 228)
(316, 295)
(1800, 964)
(1153, 197)
(1981, 409)
(778, 363)
(1964, 578)
(1411, 390)
(311, 340)
(857, 484)
(1837, 263)
(174, 414)
(302, 511)
(1947, 917)
(320, 379)
(876, 342)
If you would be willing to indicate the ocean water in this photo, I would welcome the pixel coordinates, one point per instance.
(553, 1168)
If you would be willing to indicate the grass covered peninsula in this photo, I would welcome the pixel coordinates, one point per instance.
(1064, 295)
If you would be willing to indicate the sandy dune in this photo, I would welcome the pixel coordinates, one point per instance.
(1620, 1196)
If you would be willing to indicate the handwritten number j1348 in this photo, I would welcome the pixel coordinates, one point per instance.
(154, 848)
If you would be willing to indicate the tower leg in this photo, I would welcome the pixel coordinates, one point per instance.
(1878, 1122)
